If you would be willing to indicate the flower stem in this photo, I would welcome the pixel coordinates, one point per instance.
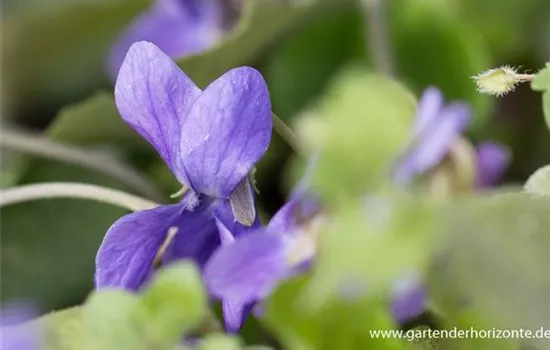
(49, 190)
(40, 146)
(286, 133)
(379, 43)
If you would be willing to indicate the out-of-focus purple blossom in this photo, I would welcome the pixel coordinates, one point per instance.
(492, 161)
(210, 140)
(178, 27)
(14, 336)
(247, 269)
(436, 128)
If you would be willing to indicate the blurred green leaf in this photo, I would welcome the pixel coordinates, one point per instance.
(61, 231)
(94, 121)
(495, 261)
(542, 83)
(40, 239)
(174, 303)
(295, 330)
(220, 342)
(261, 24)
(434, 47)
(363, 123)
(56, 54)
(542, 79)
(60, 330)
(113, 320)
(372, 244)
(300, 69)
(539, 182)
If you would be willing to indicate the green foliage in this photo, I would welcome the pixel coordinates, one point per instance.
(58, 53)
(94, 121)
(542, 83)
(219, 342)
(113, 319)
(539, 182)
(363, 114)
(494, 263)
(175, 302)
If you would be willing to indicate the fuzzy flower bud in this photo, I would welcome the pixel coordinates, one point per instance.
(500, 81)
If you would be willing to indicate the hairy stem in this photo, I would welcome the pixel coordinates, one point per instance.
(40, 146)
(49, 190)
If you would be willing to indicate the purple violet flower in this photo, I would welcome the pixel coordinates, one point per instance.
(210, 140)
(14, 335)
(435, 129)
(177, 27)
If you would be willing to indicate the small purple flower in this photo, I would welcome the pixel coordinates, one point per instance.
(210, 140)
(436, 128)
(177, 27)
(244, 271)
(15, 336)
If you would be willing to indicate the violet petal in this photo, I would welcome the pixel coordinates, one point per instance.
(227, 131)
(248, 269)
(125, 257)
(179, 28)
(492, 161)
(434, 142)
(154, 97)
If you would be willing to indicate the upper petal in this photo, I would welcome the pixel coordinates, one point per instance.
(125, 257)
(248, 269)
(433, 143)
(179, 28)
(226, 132)
(429, 107)
(154, 97)
(492, 161)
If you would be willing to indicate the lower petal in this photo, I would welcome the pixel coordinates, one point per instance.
(235, 315)
(248, 269)
(125, 257)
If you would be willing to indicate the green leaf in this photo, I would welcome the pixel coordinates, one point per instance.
(56, 54)
(94, 121)
(494, 262)
(220, 342)
(175, 302)
(40, 239)
(361, 114)
(113, 320)
(542, 79)
(262, 23)
(61, 330)
(539, 182)
(296, 330)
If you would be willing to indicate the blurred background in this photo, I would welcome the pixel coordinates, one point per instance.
(56, 85)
